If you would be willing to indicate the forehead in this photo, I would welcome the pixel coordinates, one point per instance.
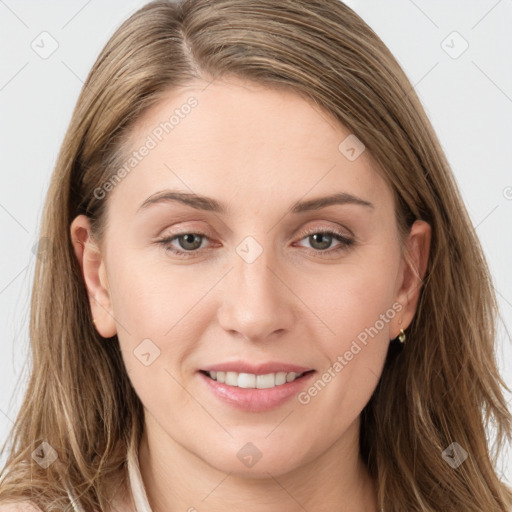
(247, 143)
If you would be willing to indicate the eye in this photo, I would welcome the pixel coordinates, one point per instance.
(321, 240)
(189, 243)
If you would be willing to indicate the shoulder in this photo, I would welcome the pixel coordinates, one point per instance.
(22, 506)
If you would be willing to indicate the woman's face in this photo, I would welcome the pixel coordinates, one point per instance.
(271, 280)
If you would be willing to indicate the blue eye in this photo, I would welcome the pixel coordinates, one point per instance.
(190, 242)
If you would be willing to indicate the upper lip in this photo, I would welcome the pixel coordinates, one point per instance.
(256, 369)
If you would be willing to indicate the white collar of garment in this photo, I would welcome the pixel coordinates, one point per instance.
(137, 485)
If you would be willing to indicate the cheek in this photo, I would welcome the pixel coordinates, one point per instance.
(157, 307)
(357, 306)
(352, 298)
(157, 313)
(151, 298)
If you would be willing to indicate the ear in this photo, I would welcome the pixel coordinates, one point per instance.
(412, 272)
(94, 275)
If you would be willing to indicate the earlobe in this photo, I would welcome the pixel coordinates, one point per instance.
(414, 266)
(94, 274)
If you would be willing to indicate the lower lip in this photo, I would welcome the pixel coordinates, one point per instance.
(256, 400)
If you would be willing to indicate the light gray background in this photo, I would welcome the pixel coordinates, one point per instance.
(468, 99)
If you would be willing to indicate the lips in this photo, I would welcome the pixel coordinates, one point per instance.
(255, 387)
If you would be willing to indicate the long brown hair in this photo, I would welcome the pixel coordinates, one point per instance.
(443, 387)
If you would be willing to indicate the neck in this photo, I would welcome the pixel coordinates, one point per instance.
(176, 479)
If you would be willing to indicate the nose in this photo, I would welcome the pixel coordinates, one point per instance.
(257, 301)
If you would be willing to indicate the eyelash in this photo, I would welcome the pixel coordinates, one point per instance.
(345, 242)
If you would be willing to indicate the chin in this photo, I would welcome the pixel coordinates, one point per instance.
(256, 460)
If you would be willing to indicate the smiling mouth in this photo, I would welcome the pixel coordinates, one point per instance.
(253, 381)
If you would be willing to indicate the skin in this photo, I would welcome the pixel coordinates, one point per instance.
(258, 150)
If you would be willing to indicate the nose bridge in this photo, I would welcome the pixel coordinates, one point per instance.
(253, 273)
(255, 301)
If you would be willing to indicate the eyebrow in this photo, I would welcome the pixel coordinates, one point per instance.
(199, 202)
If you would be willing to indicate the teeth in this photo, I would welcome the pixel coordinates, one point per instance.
(249, 380)
(231, 379)
(246, 380)
(290, 377)
(280, 378)
(266, 381)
